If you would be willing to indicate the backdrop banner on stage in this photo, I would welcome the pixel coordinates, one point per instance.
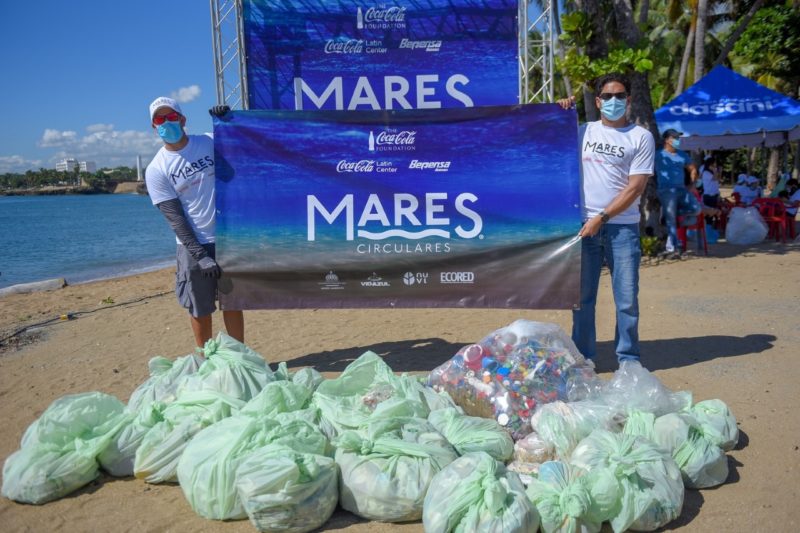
(474, 207)
(400, 54)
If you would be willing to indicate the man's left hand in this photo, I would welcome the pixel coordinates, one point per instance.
(592, 227)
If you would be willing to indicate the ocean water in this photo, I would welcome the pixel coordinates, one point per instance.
(81, 238)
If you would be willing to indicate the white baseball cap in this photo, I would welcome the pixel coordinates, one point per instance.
(163, 101)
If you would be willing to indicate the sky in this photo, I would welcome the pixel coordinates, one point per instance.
(78, 77)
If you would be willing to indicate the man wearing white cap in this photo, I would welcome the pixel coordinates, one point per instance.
(180, 182)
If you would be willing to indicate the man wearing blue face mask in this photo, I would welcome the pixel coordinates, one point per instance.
(616, 162)
(671, 163)
(180, 182)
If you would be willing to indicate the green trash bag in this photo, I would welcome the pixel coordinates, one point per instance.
(159, 451)
(286, 491)
(58, 452)
(278, 397)
(386, 468)
(717, 423)
(476, 493)
(703, 464)
(231, 368)
(571, 500)
(563, 425)
(165, 376)
(473, 434)
(308, 377)
(207, 468)
(650, 481)
(367, 390)
(118, 457)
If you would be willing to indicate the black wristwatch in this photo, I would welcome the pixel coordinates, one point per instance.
(604, 216)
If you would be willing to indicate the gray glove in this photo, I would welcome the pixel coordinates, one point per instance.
(209, 268)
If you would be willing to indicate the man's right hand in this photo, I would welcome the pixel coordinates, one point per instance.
(209, 268)
(219, 111)
(566, 103)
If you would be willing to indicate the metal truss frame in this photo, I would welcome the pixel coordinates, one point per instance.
(536, 53)
(230, 70)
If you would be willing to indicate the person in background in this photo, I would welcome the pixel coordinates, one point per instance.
(750, 191)
(710, 178)
(616, 162)
(180, 182)
(671, 163)
(741, 188)
(791, 199)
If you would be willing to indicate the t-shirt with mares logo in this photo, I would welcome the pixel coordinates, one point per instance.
(609, 156)
(187, 175)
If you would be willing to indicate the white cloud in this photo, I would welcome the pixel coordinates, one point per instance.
(102, 144)
(186, 94)
(56, 138)
(99, 127)
(17, 163)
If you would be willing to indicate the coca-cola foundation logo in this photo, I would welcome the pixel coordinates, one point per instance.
(392, 140)
(381, 17)
(364, 165)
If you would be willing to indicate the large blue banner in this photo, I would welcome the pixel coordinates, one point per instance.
(451, 208)
(399, 54)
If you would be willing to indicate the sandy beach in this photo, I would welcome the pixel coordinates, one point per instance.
(724, 326)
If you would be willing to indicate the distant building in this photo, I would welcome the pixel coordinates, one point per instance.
(70, 164)
(67, 165)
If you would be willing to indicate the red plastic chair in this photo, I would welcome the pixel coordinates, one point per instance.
(725, 207)
(700, 229)
(774, 214)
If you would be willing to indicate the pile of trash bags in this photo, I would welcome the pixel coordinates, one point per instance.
(284, 449)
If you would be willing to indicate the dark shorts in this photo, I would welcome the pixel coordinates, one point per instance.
(195, 292)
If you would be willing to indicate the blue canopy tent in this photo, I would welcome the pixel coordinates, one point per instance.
(725, 110)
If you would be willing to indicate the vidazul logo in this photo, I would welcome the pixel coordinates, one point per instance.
(375, 281)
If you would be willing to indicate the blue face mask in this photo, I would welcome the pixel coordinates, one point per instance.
(170, 132)
(614, 108)
(676, 143)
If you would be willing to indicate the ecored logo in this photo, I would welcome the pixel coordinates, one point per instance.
(457, 277)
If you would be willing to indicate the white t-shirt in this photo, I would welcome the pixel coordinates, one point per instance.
(187, 175)
(609, 156)
(710, 184)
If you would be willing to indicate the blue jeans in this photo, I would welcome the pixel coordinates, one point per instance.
(669, 208)
(619, 246)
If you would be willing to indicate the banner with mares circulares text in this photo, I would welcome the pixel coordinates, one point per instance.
(473, 207)
(398, 54)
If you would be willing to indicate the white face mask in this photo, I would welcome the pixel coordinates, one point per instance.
(614, 108)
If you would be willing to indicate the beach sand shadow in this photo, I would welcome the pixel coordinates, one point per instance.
(412, 355)
(674, 353)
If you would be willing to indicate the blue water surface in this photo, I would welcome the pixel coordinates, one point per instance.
(81, 238)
